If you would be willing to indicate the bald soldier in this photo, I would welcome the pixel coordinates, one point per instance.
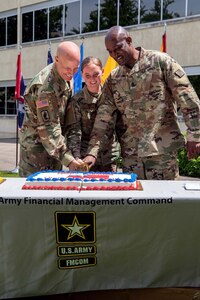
(42, 141)
(146, 90)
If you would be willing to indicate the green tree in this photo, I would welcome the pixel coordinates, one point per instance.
(128, 12)
(108, 15)
(150, 15)
(154, 13)
(92, 25)
(55, 23)
(166, 14)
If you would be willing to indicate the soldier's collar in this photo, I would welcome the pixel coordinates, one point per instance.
(141, 52)
(90, 97)
(60, 80)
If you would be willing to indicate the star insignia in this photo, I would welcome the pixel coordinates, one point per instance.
(75, 228)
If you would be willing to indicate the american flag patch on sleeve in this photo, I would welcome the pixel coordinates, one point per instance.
(42, 103)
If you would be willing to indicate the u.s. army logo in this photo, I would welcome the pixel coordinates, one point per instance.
(75, 227)
(76, 235)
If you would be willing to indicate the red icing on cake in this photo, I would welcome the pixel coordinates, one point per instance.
(81, 181)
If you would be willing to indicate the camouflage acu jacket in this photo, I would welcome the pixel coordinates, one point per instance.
(85, 108)
(45, 104)
(146, 98)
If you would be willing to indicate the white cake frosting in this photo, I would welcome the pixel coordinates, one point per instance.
(81, 180)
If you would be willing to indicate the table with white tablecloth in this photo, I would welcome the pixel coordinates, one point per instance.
(55, 242)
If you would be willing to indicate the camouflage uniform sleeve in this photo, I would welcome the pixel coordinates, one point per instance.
(49, 128)
(103, 118)
(185, 97)
(74, 132)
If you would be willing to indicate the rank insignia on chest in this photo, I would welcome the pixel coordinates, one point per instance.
(42, 103)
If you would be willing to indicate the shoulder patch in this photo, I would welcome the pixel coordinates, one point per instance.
(179, 73)
(45, 115)
(42, 103)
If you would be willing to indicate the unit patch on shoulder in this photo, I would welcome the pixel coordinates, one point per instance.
(179, 73)
(45, 115)
(42, 103)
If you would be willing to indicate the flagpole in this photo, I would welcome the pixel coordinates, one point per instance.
(19, 49)
(17, 137)
(77, 78)
(165, 37)
(163, 47)
(49, 57)
(49, 42)
(17, 125)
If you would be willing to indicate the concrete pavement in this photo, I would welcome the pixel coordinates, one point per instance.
(9, 154)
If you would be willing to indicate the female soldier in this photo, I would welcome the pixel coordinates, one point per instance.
(84, 106)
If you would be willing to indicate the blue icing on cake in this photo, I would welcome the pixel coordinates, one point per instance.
(81, 180)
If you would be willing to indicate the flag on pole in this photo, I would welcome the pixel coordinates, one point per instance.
(163, 47)
(78, 75)
(49, 57)
(18, 78)
(19, 92)
(109, 66)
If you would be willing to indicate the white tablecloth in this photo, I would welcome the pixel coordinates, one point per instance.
(64, 241)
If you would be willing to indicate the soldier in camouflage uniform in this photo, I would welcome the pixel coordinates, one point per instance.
(42, 141)
(85, 104)
(146, 90)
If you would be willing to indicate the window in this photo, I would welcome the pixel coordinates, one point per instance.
(72, 18)
(193, 7)
(90, 16)
(40, 25)
(195, 81)
(3, 32)
(108, 14)
(12, 30)
(27, 27)
(11, 102)
(2, 100)
(128, 12)
(175, 9)
(49, 20)
(55, 21)
(8, 31)
(8, 102)
(150, 11)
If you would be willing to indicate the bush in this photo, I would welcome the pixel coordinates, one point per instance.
(188, 167)
(8, 174)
